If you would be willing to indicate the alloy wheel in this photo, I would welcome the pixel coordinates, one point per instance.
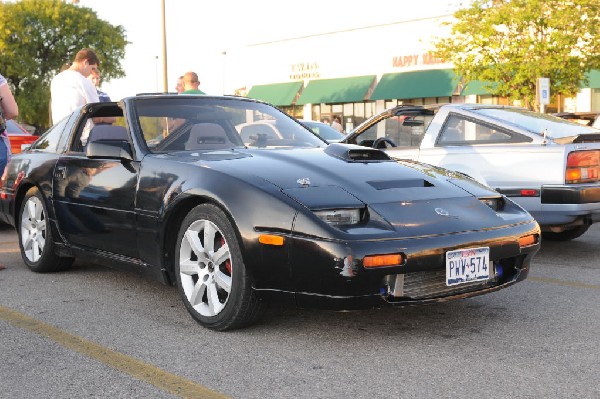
(205, 267)
(33, 229)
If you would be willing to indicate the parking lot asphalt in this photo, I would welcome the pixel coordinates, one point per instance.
(101, 333)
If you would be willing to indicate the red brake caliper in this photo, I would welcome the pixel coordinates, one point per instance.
(227, 262)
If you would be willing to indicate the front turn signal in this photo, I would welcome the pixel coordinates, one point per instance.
(529, 240)
(383, 260)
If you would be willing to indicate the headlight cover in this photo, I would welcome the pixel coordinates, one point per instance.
(337, 217)
(496, 203)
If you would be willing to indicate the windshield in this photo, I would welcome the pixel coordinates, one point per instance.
(195, 123)
(536, 123)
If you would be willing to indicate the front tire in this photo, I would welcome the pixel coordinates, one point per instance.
(212, 279)
(35, 236)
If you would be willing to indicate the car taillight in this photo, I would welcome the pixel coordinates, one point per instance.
(583, 167)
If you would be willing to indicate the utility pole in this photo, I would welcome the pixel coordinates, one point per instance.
(164, 48)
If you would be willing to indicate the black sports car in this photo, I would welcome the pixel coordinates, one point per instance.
(197, 191)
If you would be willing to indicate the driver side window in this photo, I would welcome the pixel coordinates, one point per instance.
(403, 131)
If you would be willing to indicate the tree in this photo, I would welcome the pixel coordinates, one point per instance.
(511, 43)
(37, 37)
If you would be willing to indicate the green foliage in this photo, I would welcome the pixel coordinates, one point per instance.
(38, 36)
(514, 42)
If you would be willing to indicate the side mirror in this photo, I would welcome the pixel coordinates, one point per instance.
(111, 149)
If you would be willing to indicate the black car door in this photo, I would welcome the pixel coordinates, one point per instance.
(94, 201)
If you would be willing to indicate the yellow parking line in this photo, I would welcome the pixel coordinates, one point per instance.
(566, 283)
(9, 250)
(142, 371)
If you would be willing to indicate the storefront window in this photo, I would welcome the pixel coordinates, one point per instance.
(486, 100)
(437, 100)
(316, 113)
(348, 109)
(294, 111)
(352, 114)
(359, 110)
(369, 110)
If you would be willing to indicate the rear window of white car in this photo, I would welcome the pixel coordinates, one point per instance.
(536, 123)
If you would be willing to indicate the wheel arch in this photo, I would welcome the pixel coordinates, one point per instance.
(22, 191)
(172, 224)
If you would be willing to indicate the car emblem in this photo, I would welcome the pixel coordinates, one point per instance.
(442, 212)
(304, 181)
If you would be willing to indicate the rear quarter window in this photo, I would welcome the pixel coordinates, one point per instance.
(462, 131)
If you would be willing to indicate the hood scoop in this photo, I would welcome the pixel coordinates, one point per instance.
(356, 153)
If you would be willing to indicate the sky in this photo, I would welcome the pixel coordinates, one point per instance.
(200, 33)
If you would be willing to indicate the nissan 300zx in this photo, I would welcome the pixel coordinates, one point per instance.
(192, 191)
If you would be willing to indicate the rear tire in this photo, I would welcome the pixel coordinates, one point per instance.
(565, 235)
(212, 279)
(35, 236)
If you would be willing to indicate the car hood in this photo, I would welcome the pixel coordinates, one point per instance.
(408, 196)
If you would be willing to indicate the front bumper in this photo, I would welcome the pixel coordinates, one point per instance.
(330, 275)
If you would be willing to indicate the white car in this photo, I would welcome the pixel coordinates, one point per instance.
(548, 165)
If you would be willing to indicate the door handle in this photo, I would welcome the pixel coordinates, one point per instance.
(61, 172)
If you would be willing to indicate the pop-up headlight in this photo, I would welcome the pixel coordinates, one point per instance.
(496, 203)
(339, 216)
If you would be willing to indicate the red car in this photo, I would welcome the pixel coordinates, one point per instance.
(18, 136)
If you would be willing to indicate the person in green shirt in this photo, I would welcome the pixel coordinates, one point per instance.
(191, 83)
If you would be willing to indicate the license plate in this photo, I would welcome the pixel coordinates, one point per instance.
(467, 265)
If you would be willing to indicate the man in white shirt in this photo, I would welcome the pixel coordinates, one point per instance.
(71, 88)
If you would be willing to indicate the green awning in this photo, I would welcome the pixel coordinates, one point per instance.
(416, 84)
(594, 79)
(342, 90)
(479, 88)
(280, 94)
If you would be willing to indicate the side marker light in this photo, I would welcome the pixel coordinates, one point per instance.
(269, 239)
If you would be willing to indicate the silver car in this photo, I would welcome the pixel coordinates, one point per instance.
(548, 165)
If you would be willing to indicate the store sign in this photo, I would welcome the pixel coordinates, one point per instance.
(403, 61)
(305, 70)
